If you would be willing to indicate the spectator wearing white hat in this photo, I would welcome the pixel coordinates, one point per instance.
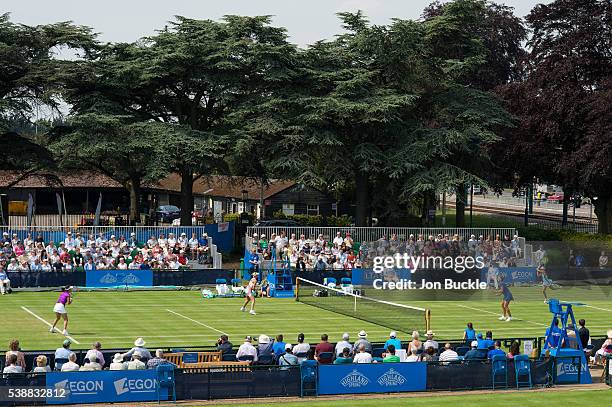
(344, 343)
(288, 358)
(136, 363)
(139, 345)
(265, 348)
(247, 349)
(430, 342)
(473, 353)
(393, 340)
(363, 335)
(118, 363)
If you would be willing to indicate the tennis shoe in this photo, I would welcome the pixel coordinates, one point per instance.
(252, 312)
(501, 318)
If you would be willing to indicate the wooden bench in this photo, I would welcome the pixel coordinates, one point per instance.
(217, 367)
(202, 358)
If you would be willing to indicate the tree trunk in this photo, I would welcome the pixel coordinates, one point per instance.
(566, 200)
(133, 187)
(603, 211)
(362, 197)
(186, 197)
(460, 202)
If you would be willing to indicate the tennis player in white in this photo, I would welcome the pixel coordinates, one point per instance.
(250, 297)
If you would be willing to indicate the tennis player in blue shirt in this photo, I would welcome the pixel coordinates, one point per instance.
(506, 298)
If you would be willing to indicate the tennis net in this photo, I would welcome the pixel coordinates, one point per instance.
(399, 317)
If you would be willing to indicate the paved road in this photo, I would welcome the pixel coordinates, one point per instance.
(506, 200)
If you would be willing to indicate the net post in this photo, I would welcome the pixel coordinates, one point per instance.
(428, 319)
(297, 288)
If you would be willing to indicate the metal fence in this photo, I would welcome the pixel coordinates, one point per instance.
(371, 234)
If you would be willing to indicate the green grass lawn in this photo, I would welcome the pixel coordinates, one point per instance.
(182, 318)
(547, 398)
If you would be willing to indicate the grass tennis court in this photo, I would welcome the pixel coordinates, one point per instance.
(174, 318)
(542, 398)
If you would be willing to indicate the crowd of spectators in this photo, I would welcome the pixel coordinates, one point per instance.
(65, 360)
(343, 253)
(77, 253)
(277, 351)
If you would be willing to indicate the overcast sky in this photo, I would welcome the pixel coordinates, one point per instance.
(127, 20)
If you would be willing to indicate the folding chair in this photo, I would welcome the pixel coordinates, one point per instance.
(308, 374)
(165, 379)
(499, 367)
(522, 367)
(326, 358)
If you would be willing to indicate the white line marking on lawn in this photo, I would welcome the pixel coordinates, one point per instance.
(48, 324)
(197, 322)
(497, 313)
(601, 309)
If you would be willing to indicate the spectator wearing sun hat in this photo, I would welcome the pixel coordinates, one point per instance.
(430, 342)
(363, 335)
(118, 363)
(139, 345)
(393, 340)
(136, 363)
(265, 347)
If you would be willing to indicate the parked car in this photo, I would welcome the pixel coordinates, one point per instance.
(558, 198)
(278, 222)
(167, 213)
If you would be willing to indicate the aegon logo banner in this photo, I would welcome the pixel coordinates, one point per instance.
(125, 385)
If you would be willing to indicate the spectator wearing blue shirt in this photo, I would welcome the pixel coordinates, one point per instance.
(393, 340)
(254, 261)
(473, 353)
(279, 346)
(5, 283)
(203, 248)
(553, 336)
(489, 342)
(496, 351)
(469, 334)
(481, 342)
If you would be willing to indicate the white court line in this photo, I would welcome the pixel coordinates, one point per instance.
(197, 322)
(601, 309)
(48, 324)
(497, 313)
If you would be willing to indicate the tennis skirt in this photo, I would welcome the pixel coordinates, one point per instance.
(60, 308)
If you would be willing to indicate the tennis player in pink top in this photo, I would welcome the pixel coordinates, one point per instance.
(64, 299)
(250, 297)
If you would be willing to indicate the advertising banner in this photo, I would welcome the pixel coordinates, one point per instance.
(511, 275)
(372, 378)
(115, 278)
(103, 387)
